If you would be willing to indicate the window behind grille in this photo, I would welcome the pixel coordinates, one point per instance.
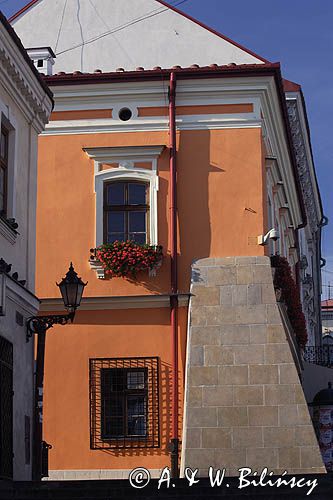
(124, 398)
(126, 211)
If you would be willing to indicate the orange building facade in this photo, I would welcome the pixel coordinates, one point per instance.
(108, 404)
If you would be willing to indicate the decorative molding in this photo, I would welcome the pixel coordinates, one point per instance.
(194, 122)
(126, 157)
(7, 232)
(96, 266)
(12, 290)
(308, 187)
(133, 153)
(261, 91)
(116, 302)
(21, 83)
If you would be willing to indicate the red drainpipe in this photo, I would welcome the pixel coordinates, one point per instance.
(174, 444)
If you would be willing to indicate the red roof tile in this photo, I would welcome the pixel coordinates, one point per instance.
(156, 72)
(289, 86)
(328, 303)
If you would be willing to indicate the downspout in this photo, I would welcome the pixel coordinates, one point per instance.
(174, 444)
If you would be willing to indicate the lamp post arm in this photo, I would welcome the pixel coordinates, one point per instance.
(38, 324)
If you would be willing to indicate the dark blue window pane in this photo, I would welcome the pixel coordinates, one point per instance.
(113, 406)
(137, 194)
(136, 415)
(137, 222)
(116, 193)
(135, 380)
(116, 222)
(116, 237)
(113, 427)
(138, 238)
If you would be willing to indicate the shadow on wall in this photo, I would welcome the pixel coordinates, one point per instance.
(165, 387)
(194, 169)
(117, 317)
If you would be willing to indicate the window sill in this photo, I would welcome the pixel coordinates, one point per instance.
(95, 265)
(7, 231)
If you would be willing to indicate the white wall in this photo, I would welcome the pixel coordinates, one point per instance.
(22, 192)
(24, 110)
(164, 38)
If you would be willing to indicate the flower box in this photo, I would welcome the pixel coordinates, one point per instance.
(126, 259)
(289, 294)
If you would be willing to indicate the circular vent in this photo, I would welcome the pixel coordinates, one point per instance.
(125, 114)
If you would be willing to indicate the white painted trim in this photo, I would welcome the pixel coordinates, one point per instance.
(114, 155)
(10, 124)
(188, 122)
(259, 90)
(21, 83)
(21, 297)
(126, 157)
(148, 176)
(120, 302)
(121, 105)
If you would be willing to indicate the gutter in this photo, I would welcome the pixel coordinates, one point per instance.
(174, 443)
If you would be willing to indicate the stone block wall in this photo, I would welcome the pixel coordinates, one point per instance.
(244, 404)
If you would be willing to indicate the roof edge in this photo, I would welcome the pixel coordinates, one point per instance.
(22, 10)
(217, 33)
(272, 69)
(178, 11)
(12, 33)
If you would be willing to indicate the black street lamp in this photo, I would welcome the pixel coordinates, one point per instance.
(71, 289)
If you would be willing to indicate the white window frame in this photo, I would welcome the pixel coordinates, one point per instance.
(10, 124)
(126, 158)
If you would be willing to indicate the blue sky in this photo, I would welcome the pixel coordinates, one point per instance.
(299, 34)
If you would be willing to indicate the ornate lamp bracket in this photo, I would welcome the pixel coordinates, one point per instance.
(39, 324)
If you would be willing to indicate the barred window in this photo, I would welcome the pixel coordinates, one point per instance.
(124, 397)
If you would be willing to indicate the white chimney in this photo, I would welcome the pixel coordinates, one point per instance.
(43, 59)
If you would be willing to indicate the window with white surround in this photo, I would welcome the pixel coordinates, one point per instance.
(7, 176)
(126, 187)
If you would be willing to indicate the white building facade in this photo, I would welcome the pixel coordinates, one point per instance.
(25, 106)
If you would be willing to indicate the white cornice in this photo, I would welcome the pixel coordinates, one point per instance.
(120, 302)
(21, 83)
(21, 296)
(139, 153)
(189, 122)
(261, 91)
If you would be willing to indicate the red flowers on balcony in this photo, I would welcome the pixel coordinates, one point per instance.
(284, 281)
(127, 258)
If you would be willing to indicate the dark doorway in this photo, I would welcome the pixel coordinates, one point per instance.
(6, 409)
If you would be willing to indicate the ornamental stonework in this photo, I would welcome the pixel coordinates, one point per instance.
(302, 165)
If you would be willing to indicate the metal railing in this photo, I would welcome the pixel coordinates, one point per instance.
(319, 355)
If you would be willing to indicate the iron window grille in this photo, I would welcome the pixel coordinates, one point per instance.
(319, 355)
(124, 403)
(126, 211)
